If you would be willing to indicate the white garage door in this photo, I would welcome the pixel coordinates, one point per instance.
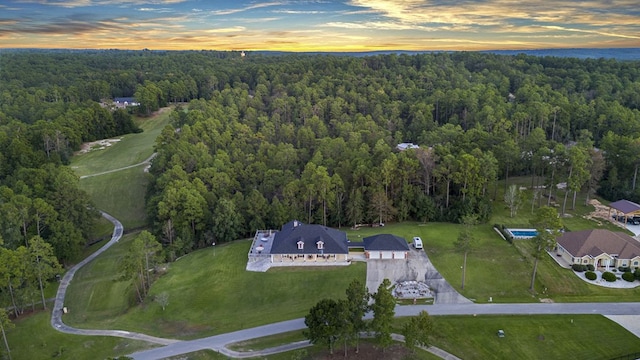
(374, 254)
(398, 255)
(387, 254)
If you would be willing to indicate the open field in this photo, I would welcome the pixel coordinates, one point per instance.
(131, 149)
(120, 194)
(207, 294)
(534, 337)
(33, 338)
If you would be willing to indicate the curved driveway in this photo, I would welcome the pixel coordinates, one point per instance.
(56, 314)
(218, 343)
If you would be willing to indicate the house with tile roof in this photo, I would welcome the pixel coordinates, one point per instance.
(385, 246)
(600, 248)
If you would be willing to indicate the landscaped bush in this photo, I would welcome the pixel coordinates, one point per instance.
(579, 267)
(590, 267)
(609, 276)
(624, 269)
(628, 276)
(590, 275)
(637, 274)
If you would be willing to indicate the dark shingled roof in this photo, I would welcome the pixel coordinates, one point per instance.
(625, 206)
(385, 242)
(286, 240)
(598, 241)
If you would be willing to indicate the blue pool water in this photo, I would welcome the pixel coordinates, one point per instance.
(524, 233)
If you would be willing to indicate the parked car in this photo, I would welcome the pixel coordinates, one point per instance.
(417, 243)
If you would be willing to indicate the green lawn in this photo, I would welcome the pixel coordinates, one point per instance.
(33, 338)
(207, 294)
(121, 194)
(132, 149)
(533, 337)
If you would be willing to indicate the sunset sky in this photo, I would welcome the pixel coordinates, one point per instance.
(297, 25)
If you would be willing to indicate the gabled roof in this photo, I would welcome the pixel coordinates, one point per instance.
(385, 242)
(286, 240)
(598, 241)
(625, 206)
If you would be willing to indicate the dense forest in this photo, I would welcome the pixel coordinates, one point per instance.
(259, 140)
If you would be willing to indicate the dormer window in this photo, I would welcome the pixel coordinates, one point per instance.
(320, 245)
(300, 245)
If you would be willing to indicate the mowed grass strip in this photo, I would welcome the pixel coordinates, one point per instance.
(268, 341)
(121, 194)
(97, 293)
(33, 338)
(533, 337)
(207, 294)
(130, 150)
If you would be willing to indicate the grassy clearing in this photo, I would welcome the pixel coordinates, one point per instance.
(121, 194)
(34, 338)
(534, 337)
(207, 294)
(131, 149)
(96, 292)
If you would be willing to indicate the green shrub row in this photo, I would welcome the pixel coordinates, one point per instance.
(579, 267)
(628, 276)
(609, 276)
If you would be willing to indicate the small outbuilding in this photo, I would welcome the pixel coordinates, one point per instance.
(385, 246)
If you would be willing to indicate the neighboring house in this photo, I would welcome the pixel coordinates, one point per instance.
(303, 243)
(600, 248)
(385, 246)
(123, 102)
(405, 146)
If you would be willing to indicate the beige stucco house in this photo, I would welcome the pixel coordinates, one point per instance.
(600, 248)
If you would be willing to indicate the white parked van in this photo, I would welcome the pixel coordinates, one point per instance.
(417, 243)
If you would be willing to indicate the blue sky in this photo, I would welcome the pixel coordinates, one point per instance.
(295, 25)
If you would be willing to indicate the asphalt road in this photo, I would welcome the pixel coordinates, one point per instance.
(218, 342)
(172, 347)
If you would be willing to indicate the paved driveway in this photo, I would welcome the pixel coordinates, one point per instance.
(417, 267)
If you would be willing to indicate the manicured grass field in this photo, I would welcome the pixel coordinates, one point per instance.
(207, 294)
(121, 194)
(131, 149)
(534, 337)
(33, 338)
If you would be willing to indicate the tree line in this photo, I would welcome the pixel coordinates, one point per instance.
(333, 322)
(314, 138)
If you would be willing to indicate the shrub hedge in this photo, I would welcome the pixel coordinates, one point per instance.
(624, 269)
(590, 275)
(579, 267)
(590, 267)
(628, 276)
(609, 276)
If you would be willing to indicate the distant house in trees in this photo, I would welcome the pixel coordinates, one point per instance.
(123, 102)
(600, 248)
(385, 246)
(405, 146)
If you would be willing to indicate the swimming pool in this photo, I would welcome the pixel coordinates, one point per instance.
(522, 233)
